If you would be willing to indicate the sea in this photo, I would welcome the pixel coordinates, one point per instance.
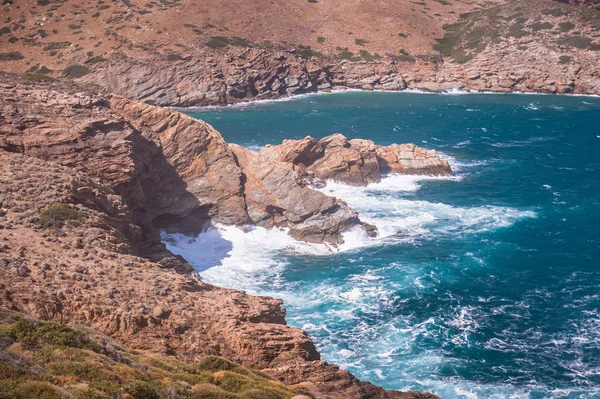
(483, 284)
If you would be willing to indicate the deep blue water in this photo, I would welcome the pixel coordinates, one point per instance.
(486, 284)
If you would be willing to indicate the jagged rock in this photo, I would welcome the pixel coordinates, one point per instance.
(356, 162)
(276, 195)
(122, 166)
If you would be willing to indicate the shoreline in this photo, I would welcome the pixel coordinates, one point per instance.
(294, 97)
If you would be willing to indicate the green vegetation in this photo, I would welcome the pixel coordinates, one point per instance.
(307, 52)
(401, 34)
(320, 39)
(57, 215)
(579, 42)
(538, 26)
(56, 46)
(238, 41)
(360, 42)
(555, 12)
(11, 56)
(5, 30)
(566, 26)
(45, 360)
(565, 59)
(368, 56)
(477, 30)
(218, 42)
(96, 60)
(174, 57)
(404, 56)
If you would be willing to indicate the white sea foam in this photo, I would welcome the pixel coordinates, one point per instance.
(232, 257)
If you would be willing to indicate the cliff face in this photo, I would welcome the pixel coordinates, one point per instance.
(184, 54)
(355, 162)
(86, 180)
(174, 172)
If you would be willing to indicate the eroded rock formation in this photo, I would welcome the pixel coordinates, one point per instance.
(82, 178)
(173, 171)
(355, 162)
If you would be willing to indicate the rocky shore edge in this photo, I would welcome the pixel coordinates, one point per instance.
(90, 178)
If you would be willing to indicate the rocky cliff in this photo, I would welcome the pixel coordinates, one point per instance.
(184, 54)
(355, 162)
(88, 178)
(174, 172)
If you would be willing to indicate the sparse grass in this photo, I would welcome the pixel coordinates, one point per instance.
(54, 361)
(36, 77)
(555, 12)
(538, 26)
(579, 42)
(56, 46)
(404, 56)
(307, 52)
(238, 41)
(174, 57)
(57, 215)
(96, 60)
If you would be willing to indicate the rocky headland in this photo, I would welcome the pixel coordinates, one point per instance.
(90, 178)
(154, 54)
(92, 168)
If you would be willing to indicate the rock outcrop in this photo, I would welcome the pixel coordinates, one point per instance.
(174, 172)
(67, 254)
(276, 195)
(355, 162)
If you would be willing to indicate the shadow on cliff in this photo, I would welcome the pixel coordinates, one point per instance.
(168, 213)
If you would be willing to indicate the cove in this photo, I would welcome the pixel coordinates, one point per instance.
(483, 284)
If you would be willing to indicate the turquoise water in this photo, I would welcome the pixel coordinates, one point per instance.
(485, 284)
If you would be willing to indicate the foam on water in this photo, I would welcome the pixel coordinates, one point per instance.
(480, 285)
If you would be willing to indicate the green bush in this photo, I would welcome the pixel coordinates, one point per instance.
(215, 363)
(56, 215)
(12, 56)
(566, 26)
(174, 57)
(34, 335)
(360, 42)
(218, 42)
(56, 46)
(320, 39)
(96, 60)
(565, 59)
(37, 77)
(4, 30)
(37, 390)
(538, 26)
(238, 41)
(144, 390)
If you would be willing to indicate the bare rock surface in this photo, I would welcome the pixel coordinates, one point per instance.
(174, 172)
(78, 265)
(355, 162)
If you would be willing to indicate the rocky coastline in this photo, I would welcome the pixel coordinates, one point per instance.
(90, 178)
